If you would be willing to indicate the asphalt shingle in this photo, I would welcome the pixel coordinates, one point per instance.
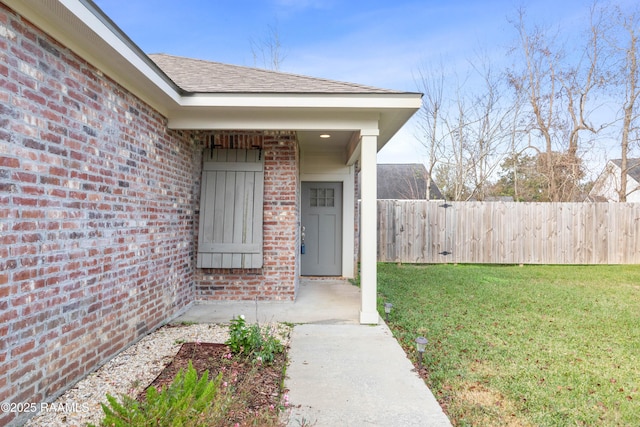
(199, 76)
(633, 165)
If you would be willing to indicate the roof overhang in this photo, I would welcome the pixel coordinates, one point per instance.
(300, 112)
(82, 27)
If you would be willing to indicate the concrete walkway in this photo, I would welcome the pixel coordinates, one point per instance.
(340, 373)
(354, 375)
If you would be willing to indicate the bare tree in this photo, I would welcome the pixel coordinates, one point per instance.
(626, 46)
(489, 132)
(456, 125)
(515, 150)
(412, 189)
(559, 90)
(465, 132)
(579, 81)
(429, 118)
(538, 82)
(267, 52)
(555, 110)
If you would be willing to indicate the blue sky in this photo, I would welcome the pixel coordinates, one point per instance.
(373, 42)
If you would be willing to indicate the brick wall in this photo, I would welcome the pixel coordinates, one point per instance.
(96, 216)
(278, 278)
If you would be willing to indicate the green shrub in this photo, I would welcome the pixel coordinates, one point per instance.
(189, 401)
(252, 341)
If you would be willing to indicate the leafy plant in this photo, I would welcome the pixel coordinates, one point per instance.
(189, 401)
(252, 341)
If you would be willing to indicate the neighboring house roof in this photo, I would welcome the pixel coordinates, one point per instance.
(405, 181)
(633, 166)
(196, 75)
(607, 185)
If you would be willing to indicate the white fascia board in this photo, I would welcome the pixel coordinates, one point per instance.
(272, 119)
(105, 33)
(84, 30)
(302, 100)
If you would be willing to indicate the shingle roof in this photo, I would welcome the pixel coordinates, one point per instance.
(195, 75)
(633, 166)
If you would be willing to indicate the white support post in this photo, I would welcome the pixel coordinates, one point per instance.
(368, 227)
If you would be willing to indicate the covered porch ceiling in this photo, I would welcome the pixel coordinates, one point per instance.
(318, 129)
(311, 140)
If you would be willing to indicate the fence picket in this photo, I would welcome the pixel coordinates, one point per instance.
(420, 231)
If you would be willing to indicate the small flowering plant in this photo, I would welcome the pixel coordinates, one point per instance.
(252, 341)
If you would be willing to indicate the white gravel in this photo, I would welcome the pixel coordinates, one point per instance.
(129, 372)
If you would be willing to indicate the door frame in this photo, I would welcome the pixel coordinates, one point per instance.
(335, 269)
(347, 177)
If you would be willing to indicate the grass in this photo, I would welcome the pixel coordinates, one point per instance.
(532, 345)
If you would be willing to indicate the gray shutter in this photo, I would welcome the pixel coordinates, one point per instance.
(230, 233)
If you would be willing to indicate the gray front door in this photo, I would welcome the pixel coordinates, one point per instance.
(322, 228)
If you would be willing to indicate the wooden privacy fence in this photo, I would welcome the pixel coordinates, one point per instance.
(420, 231)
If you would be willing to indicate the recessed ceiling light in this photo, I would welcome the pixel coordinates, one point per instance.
(325, 135)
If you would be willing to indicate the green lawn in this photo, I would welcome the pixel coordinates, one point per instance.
(533, 345)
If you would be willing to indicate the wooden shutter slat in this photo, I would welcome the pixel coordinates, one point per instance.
(233, 166)
(231, 210)
(231, 248)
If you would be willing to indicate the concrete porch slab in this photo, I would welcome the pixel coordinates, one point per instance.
(319, 301)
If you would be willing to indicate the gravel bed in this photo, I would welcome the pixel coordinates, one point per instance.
(130, 372)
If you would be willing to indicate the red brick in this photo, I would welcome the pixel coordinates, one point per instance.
(58, 171)
(23, 201)
(23, 374)
(8, 315)
(9, 162)
(32, 190)
(24, 177)
(23, 348)
(32, 213)
(34, 96)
